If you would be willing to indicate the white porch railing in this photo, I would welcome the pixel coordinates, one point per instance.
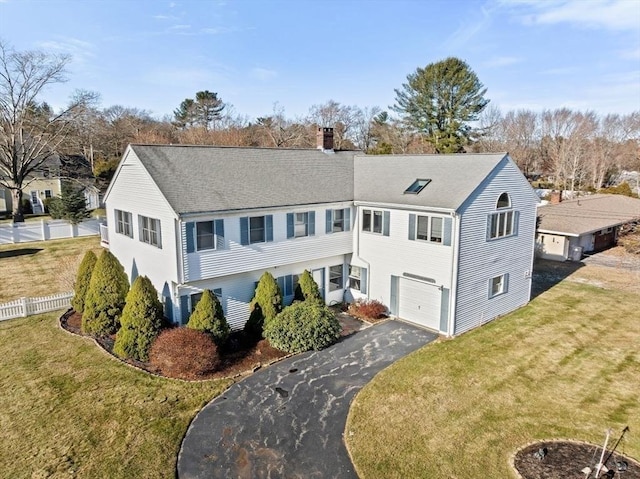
(24, 307)
(104, 235)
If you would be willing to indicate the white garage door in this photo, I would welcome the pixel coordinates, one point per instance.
(419, 303)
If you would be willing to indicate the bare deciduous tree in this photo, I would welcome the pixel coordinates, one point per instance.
(30, 134)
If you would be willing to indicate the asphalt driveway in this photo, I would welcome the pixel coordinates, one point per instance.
(287, 420)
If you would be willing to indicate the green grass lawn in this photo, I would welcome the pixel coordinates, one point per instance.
(67, 409)
(41, 268)
(565, 366)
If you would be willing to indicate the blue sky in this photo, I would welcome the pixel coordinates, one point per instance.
(582, 54)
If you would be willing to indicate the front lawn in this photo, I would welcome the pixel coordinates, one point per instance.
(42, 268)
(67, 409)
(565, 366)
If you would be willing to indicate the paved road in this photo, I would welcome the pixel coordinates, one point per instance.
(287, 420)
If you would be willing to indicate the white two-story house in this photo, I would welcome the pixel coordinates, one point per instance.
(444, 241)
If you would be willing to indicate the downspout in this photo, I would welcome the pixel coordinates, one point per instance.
(455, 240)
(357, 235)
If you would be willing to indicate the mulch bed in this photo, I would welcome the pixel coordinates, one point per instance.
(239, 357)
(566, 460)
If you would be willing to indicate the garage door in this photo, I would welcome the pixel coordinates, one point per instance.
(419, 303)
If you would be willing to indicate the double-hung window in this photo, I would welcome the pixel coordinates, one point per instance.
(301, 224)
(288, 284)
(150, 231)
(429, 228)
(358, 278)
(196, 297)
(205, 235)
(124, 223)
(257, 229)
(338, 220)
(375, 221)
(336, 281)
(498, 285)
(502, 223)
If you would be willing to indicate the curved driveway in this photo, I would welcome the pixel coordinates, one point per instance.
(287, 420)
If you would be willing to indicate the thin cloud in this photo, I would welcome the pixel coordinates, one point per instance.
(165, 17)
(79, 50)
(470, 28)
(180, 27)
(617, 15)
(263, 74)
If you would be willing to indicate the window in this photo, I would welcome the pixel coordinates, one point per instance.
(124, 222)
(48, 193)
(417, 186)
(372, 221)
(288, 284)
(301, 224)
(502, 223)
(429, 228)
(498, 285)
(150, 231)
(355, 274)
(335, 278)
(257, 229)
(205, 235)
(196, 297)
(338, 220)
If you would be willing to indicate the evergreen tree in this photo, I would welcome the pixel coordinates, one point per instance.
(71, 205)
(203, 111)
(307, 289)
(106, 296)
(269, 299)
(83, 278)
(440, 100)
(208, 316)
(141, 321)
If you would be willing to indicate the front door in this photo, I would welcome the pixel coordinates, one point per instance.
(318, 277)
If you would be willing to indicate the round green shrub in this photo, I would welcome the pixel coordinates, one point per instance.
(106, 296)
(140, 322)
(307, 289)
(184, 353)
(83, 278)
(269, 297)
(303, 326)
(208, 316)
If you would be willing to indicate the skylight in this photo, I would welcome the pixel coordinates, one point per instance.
(417, 186)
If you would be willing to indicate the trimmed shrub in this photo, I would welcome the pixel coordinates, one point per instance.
(209, 317)
(367, 309)
(106, 296)
(269, 297)
(83, 278)
(303, 326)
(184, 353)
(307, 289)
(140, 322)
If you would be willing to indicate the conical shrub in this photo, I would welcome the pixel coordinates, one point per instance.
(307, 289)
(140, 322)
(269, 297)
(208, 316)
(106, 296)
(83, 278)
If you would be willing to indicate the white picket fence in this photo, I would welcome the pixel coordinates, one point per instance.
(46, 230)
(24, 307)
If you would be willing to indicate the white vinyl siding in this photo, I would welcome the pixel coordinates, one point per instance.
(480, 261)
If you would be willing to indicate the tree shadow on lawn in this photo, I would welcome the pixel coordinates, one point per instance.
(19, 252)
(547, 273)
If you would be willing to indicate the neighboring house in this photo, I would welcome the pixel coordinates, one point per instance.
(48, 180)
(445, 241)
(569, 228)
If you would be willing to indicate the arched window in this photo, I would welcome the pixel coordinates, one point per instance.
(504, 201)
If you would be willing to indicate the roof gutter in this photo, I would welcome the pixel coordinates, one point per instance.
(405, 207)
(235, 211)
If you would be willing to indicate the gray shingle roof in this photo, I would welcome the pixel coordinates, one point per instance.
(384, 178)
(207, 178)
(588, 214)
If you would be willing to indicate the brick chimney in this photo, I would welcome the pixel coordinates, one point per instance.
(555, 197)
(324, 138)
